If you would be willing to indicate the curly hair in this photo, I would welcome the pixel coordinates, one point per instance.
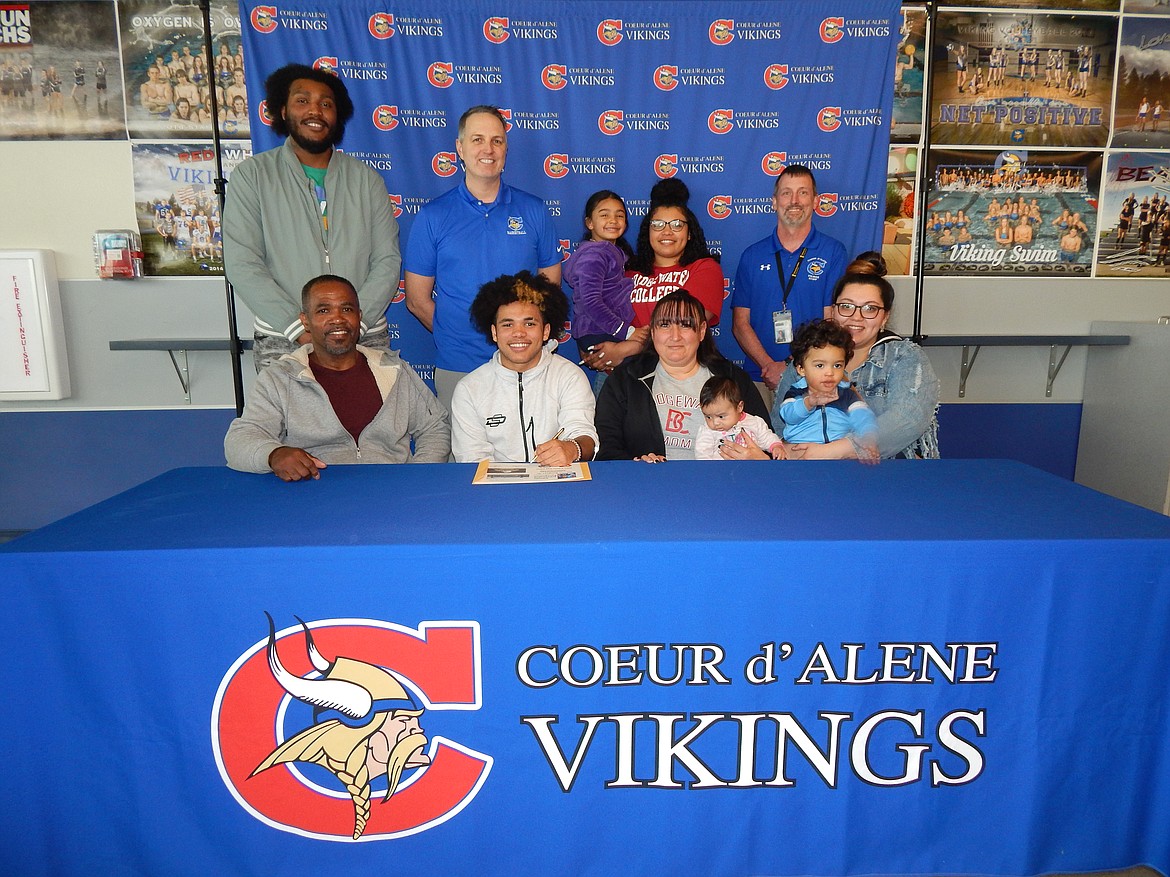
(279, 82)
(669, 193)
(526, 287)
(817, 334)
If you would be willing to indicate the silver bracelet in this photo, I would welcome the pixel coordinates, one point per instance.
(577, 444)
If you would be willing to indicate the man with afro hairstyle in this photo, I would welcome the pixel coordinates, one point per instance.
(528, 404)
(305, 209)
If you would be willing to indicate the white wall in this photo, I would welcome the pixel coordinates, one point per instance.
(58, 193)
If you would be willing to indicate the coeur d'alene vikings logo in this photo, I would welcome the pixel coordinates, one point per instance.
(264, 19)
(315, 734)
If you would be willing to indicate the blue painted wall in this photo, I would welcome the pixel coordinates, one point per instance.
(57, 462)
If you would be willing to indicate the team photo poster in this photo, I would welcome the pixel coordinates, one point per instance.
(170, 74)
(59, 72)
(1014, 79)
(1011, 212)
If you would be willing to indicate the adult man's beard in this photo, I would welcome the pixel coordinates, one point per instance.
(316, 147)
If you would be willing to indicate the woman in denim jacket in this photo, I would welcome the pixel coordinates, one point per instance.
(890, 372)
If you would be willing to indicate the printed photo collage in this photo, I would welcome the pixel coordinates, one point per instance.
(100, 70)
(1049, 140)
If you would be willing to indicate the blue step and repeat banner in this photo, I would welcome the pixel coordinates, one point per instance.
(608, 95)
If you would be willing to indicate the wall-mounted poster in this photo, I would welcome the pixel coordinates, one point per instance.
(1135, 216)
(1142, 114)
(59, 72)
(170, 74)
(178, 212)
(909, 77)
(1011, 212)
(898, 231)
(1016, 79)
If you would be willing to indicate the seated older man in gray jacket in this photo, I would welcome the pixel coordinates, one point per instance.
(334, 401)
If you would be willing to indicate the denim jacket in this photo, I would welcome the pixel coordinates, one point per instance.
(898, 384)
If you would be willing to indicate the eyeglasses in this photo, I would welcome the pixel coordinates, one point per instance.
(846, 309)
(660, 224)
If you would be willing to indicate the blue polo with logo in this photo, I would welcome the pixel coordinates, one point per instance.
(463, 243)
(758, 286)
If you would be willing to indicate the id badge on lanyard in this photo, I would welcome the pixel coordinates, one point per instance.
(782, 326)
(782, 319)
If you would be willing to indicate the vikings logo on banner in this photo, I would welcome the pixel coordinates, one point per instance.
(721, 121)
(666, 77)
(553, 76)
(439, 74)
(776, 76)
(722, 31)
(325, 737)
(610, 122)
(666, 165)
(826, 203)
(829, 118)
(773, 163)
(395, 204)
(719, 207)
(609, 32)
(381, 25)
(556, 165)
(264, 19)
(386, 117)
(832, 29)
(444, 164)
(495, 30)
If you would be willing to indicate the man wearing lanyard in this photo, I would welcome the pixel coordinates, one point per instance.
(305, 209)
(784, 280)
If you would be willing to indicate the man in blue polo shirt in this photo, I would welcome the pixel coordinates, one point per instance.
(472, 234)
(784, 280)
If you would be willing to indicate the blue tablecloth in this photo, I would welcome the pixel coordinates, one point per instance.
(948, 667)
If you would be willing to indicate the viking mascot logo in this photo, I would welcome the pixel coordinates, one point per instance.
(365, 725)
(356, 763)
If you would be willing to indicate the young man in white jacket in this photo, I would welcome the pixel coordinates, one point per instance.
(527, 404)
